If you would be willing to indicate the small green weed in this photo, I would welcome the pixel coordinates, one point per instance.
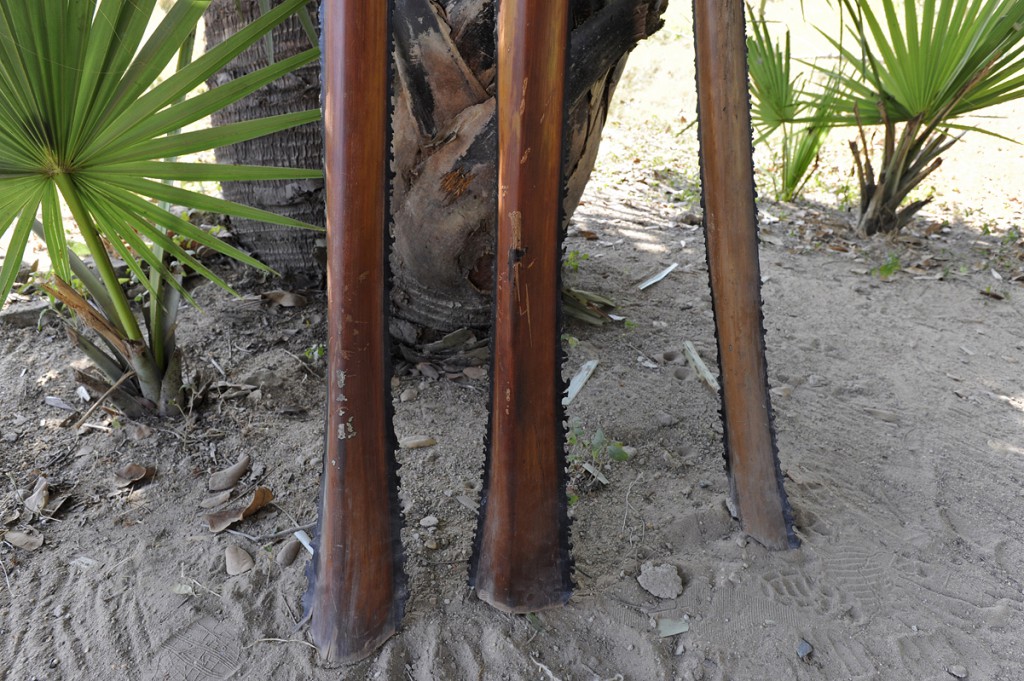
(888, 268)
(587, 456)
(314, 353)
(573, 259)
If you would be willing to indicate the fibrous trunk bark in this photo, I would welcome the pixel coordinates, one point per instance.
(297, 254)
(445, 145)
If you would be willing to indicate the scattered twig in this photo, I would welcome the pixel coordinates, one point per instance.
(305, 365)
(7, 578)
(640, 609)
(647, 361)
(243, 535)
(290, 517)
(699, 366)
(118, 564)
(96, 426)
(544, 668)
(628, 506)
(651, 281)
(200, 584)
(103, 398)
(578, 381)
(173, 432)
(216, 366)
(279, 640)
(260, 539)
(205, 588)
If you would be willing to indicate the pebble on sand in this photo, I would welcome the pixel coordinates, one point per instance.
(662, 581)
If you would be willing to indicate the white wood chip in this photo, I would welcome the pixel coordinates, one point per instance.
(647, 283)
(578, 381)
(699, 366)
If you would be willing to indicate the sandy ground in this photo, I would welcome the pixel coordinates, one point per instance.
(899, 407)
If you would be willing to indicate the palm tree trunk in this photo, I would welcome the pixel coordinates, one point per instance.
(445, 145)
(297, 254)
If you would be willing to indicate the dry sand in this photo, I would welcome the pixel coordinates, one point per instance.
(899, 407)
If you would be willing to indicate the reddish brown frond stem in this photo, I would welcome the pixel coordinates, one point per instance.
(522, 562)
(357, 587)
(730, 222)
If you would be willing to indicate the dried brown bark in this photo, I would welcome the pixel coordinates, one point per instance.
(446, 153)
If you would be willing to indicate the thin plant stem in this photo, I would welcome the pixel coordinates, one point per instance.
(158, 314)
(99, 253)
(103, 398)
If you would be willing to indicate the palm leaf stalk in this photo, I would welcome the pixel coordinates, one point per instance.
(914, 73)
(357, 593)
(85, 118)
(757, 495)
(162, 311)
(521, 562)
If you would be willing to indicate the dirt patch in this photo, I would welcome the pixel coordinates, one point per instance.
(897, 386)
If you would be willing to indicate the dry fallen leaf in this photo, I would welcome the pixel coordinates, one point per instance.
(40, 496)
(226, 390)
(24, 540)
(428, 370)
(133, 472)
(53, 506)
(229, 477)
(54, 401)
(285, 298)
(237, 560)
(215, 500)
(222, 520)
(416, 441)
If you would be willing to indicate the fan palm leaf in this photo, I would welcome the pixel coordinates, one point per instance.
(915, 70)
(85, 117)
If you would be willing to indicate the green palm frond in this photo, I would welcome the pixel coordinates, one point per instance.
(932, 60)
(775, 92)
(782, 105)
(85, 117)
